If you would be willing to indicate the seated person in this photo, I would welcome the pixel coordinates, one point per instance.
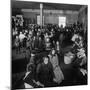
(45, 72)
(30, 76)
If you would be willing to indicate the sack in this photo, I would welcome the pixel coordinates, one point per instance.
(68, 58)
(58, 75)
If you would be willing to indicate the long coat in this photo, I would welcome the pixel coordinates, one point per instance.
(45, 73)
(56, 69)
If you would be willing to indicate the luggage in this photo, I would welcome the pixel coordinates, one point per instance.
(58, 75)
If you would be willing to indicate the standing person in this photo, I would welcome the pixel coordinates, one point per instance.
(57, 47)
(56, 68)
(61, 38)
(32, 61)
(21, 37)
(24, 41)
(41, 44)
(33, 43)
(17, 44)
(29, 42)
(47, 41)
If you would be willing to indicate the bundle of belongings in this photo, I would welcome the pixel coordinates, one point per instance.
(79, 51)
(68, 57)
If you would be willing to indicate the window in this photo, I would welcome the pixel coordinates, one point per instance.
(62, 21)
(38, 20)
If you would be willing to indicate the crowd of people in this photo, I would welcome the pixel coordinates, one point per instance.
(46, 71)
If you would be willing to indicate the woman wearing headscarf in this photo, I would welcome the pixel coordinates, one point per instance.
(45, 72)
(56, 68)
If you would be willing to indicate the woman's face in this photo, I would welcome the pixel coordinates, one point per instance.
(39, 38)
(34, 37)
(45, 60)
(53, 52)
(37, 33)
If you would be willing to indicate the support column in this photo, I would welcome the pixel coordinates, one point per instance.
(41, 15)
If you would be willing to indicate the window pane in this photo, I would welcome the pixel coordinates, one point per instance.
(62, 21)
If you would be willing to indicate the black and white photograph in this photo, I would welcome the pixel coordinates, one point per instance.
(49, 44)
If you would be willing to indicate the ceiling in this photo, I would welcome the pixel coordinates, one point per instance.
(50, 6)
